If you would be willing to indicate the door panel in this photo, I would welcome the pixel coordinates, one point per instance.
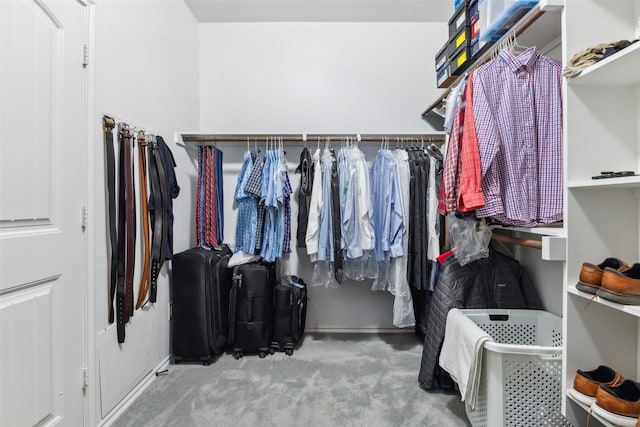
(32, 47)
(42, 184)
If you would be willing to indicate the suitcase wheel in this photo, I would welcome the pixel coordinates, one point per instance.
(237, 355)
(206, 362)
(289, 352)
(272, 350)
(262, 354)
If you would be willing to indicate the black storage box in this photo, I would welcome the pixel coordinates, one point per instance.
(441, 57)
(463, 17)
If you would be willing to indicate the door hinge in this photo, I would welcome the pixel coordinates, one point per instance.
(85, 378)
(85, 218)
(85, 56)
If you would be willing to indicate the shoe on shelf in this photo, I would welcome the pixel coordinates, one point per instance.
(591, 274)
(586, 383)
(622, 287)
(619, 404)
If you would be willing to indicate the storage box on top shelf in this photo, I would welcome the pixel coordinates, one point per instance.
(463, 17)
(461, 38)
(460, 60)
(442, 57)
(443, 78)
(498, 16)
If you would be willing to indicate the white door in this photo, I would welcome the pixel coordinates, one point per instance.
(42, 184)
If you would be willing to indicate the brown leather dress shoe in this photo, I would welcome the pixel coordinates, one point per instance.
(623, 399)
(587, 382)
(621, 286)
(591, 274)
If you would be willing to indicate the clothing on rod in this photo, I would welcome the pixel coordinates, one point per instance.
(263, 193)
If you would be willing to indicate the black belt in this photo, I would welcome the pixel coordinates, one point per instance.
(160, 227)
(108, 124)
(126, 233)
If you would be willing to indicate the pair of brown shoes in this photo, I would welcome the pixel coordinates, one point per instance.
(609, 394)
(612, 279)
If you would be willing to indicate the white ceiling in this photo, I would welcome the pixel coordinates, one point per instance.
(321, 10)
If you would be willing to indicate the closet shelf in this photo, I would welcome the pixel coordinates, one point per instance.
(539, 27)
(619, 69)
(633, 310)
(588, 410)
(553, 231)
(623, 182)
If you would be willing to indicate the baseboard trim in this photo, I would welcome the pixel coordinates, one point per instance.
(126, 402)
(322, 330)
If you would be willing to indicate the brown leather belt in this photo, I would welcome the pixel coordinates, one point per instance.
(108, 124)
(142, 159)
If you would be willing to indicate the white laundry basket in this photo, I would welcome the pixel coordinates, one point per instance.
(521, 374)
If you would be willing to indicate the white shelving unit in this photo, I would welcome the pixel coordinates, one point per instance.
(602, 217)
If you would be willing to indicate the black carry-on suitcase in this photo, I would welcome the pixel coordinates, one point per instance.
(289, 314)
(250, 309)
(201, 285)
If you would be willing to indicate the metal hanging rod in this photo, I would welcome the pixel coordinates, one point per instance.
(201, 139)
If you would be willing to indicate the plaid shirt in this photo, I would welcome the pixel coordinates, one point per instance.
(247, 210)
(254, 187)
(470, 195)
(448, 192)
(517, 106)
(287, 191)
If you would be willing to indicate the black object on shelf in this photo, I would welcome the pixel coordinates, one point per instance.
(609, 174)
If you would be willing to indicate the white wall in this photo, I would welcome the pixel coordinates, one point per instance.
(318, 77)
(146, 72)
(322, 78)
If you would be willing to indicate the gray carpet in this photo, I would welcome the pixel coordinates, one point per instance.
(331, 380)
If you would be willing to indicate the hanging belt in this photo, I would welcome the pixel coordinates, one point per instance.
(126, 234)
(107, 126)
(159, 235)
(142, 158)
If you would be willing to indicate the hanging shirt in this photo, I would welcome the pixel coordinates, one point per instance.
(403, 314)
(269, 244)
(469, 197)
(306, 170)
(247, 210)
(452, 104)
(336, 219)
(364, 203)
(349, 187)
(387, 209)
(285, 204)
(517, 106)
(254, 187)
(325, 241)
(315, 206)
(448, 193)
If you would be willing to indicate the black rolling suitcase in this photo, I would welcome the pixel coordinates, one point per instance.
(289, 314)
(250, 309)
(201, 285)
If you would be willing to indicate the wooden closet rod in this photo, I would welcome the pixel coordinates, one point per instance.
(531, 243)
(204, 139)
